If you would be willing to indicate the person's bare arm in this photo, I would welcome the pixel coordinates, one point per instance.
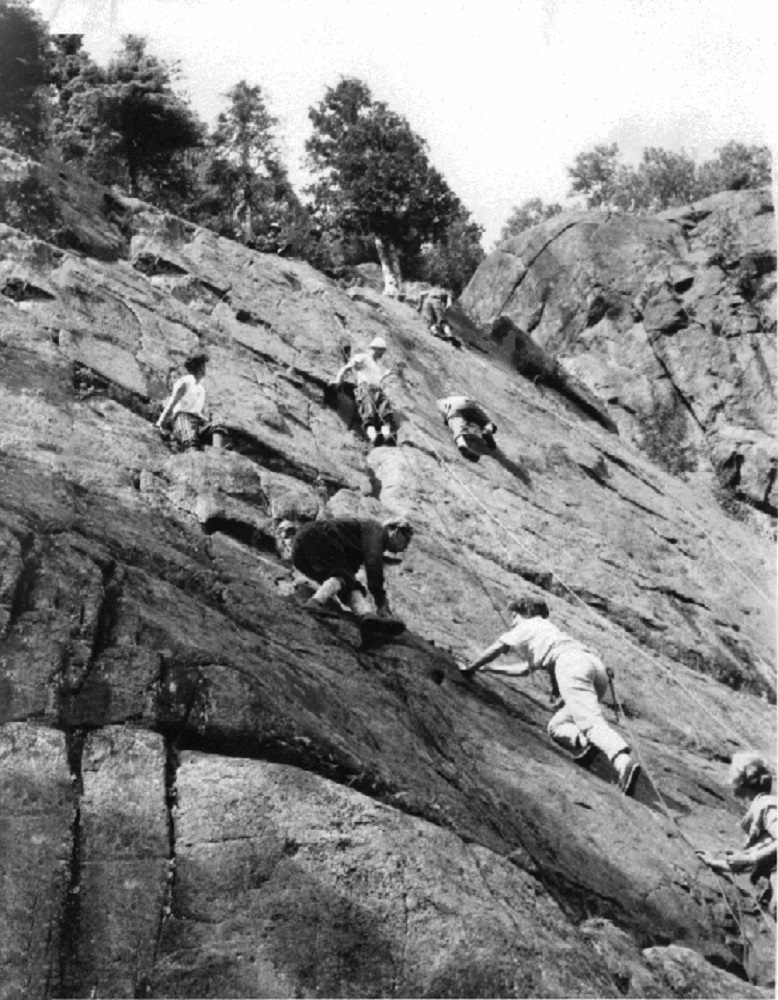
(489, 654)
(176, 395)
(341, 374)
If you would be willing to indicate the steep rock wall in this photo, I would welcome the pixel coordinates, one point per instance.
(211, 793)
(670, 320)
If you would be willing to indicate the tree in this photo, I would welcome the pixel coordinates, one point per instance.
(664, 179)
(248, 183)
(375, 180)
(594, 175)
(125, 123)
(529, 213)
(24, 43)
(736, 166)
(452, 260)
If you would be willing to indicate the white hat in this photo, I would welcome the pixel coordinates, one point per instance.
(378, 342)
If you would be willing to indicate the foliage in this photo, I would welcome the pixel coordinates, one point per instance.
(126, 124)
(374, 178)
(245, 185)
(526, 215)
(594, 175)
(24, 44)
(29, 205)
(664, 179)
(736, 166)
(451, 260)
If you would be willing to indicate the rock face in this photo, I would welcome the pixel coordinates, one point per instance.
(209, 793)
(670, 320)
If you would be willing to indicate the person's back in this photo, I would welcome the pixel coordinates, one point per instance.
(538, 642)
(190, 396)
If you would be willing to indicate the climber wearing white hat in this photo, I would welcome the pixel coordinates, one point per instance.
(375, 410)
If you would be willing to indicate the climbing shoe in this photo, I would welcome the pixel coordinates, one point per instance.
(628, 778)
(585, 757)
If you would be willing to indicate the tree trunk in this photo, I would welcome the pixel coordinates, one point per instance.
(390, 265)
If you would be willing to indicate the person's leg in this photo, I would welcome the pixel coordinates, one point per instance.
(385, 414)
(582, 682)
(563, 730)
(368, 413)
(458, 426)
(327, 591)
(359, 603)
(185, 430)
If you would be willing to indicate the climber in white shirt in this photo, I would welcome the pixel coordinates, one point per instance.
(186, 404)
(579, 726)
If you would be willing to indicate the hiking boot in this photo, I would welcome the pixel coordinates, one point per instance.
(629, 777)
(585, 757)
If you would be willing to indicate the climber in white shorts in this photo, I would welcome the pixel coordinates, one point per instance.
(579, 726)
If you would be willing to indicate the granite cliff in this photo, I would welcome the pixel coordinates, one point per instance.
(668, 319)
(208, 793)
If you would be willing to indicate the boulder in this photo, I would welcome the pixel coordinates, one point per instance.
(669, 320)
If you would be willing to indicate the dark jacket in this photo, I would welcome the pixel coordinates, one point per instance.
(339, 547)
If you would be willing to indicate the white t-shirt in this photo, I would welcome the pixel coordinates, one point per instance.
(193, 399)
(538, 642)
(367, 369)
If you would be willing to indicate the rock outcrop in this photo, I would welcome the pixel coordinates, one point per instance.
(669, 320)
(208, 793)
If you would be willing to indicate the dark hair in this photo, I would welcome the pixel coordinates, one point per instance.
(749, 770)
(529, 607)
(195, 362)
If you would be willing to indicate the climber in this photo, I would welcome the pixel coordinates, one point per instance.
(433, 305)
(579, 726)
(375, 410)
(186, 404)
(331, 553)
(468, 423)
(751, 780)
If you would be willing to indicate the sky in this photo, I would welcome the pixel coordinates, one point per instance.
(505, 92)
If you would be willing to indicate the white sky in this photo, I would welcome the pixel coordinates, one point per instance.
(506, 92)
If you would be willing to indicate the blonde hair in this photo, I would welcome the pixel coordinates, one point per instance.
(749, 770)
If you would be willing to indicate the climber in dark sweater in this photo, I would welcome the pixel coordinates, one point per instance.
(331, 552)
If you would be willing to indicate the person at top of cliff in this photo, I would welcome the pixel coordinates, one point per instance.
(375, 410)
(186, 404)
(579, 726)
(467, 421)
(433, 305)
(332, 551)
(752, 781)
